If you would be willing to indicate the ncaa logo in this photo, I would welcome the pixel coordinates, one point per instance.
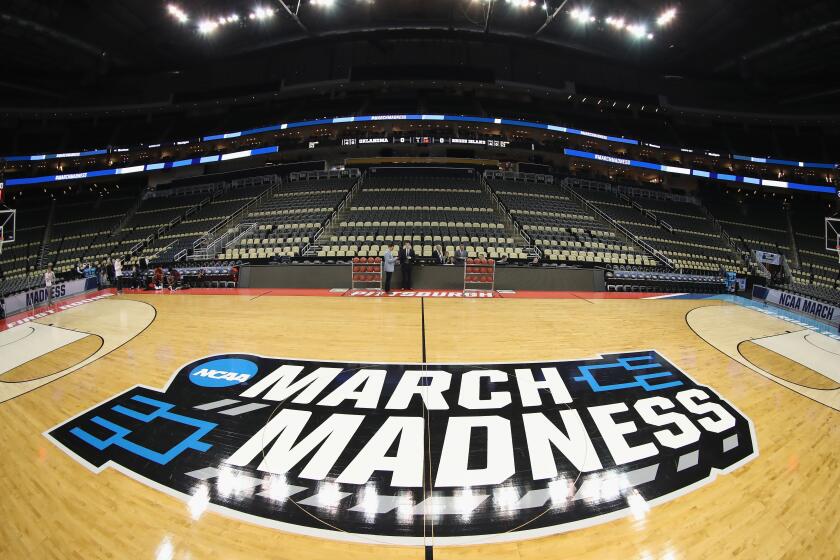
(223, 373)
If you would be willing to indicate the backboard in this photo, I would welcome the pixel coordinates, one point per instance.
(7, 225)
(832, 235)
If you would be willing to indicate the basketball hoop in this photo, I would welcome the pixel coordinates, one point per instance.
(832, 236)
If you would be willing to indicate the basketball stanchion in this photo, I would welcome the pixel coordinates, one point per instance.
(366, 273)
(479, 275)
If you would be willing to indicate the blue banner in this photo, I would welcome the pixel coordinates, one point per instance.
(142, 168)
(700, 173)
(419, 117)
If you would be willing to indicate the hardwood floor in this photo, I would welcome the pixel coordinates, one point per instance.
(781, 504)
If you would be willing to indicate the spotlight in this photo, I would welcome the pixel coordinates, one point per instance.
(177, 13)
(617, 23)
(522, 3)
(323, 3)
(261, 13)
(637, 30)
(582, 15)
(666, 17)
(207, 26)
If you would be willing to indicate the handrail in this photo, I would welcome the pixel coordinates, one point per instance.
(794, 249)
(137, 247)
(164, 248)
(506, 211)
(334, 214)
(258, 199)
(242, 233)
(630, 235)
(228, 223)
(762, 270)
(737, 254)
(786, 268)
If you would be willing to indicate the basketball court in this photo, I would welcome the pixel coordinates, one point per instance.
(86, 480)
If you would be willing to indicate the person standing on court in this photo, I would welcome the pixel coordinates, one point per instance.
(118, 274)
(388, 266)
(49, 280)
(406, 261)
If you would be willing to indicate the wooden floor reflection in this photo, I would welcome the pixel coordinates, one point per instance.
(783, 504)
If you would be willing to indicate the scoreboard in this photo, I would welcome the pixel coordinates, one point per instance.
(427, 141)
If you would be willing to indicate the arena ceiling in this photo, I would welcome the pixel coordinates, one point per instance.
(726, 53)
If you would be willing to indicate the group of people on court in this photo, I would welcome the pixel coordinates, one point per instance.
(108, 272)
(407, 257)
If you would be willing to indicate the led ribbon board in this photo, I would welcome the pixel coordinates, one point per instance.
(43, 157)
(377, 452)
(420, 117)
(141, 168)
(699, 172)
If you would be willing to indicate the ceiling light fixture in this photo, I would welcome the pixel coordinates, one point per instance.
(617, 23)
(582, 15)
(207, 26)
(666, 17)
(637, 30)
(261, 13)
(177, 13)
(522, 3)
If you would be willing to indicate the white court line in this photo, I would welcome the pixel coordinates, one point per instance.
(44, 340)
(795, 347)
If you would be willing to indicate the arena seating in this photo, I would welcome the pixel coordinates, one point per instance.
(84, 230)
(19, 259)
(429, 208)
(81, 222)
(815, 290)
(754, 223)
(662, 280)
(290, 217)
(335, 216)
(691, 243)
(228, 193)
(152, 215)
(818, 273)
(565, 231)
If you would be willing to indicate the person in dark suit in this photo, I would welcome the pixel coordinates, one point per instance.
(407, 257)
(460, 255)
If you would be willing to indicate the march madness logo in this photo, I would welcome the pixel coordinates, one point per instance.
(476, 453)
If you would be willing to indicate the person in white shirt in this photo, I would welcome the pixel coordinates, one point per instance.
(49, 280)
(118, 274)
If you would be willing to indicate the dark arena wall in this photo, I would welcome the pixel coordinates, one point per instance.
(423, 277)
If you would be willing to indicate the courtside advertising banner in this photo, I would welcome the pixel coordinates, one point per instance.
(39, 296)
(801, 304)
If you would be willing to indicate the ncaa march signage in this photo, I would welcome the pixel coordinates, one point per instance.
(389, 452)
(824, 312)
